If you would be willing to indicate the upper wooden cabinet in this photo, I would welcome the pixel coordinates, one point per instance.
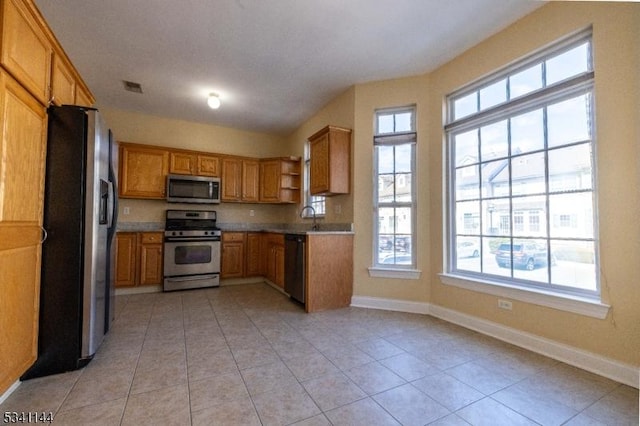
(84, 97)
(187, 163)
(26, 50)
(330, 161)
(67, 88)
(32, 55)
(240, 179)
(280, 180)
(143, 171)
(207, 165)
(231, 179)
(63, 82)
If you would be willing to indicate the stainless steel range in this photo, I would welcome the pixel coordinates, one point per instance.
(191, 250)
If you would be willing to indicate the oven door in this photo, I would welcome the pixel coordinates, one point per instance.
(183, 258)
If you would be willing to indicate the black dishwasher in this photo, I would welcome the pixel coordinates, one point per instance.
(294, 265)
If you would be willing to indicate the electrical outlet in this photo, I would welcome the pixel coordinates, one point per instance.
(505, 304)
(126, 210)
(337, 209)
(252, 213)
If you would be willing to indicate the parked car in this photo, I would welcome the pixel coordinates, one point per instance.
(403, 259)
(526, 255)
(385, 242)
(403, 243)
(467, 249)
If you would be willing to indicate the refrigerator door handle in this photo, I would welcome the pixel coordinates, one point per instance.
(110, 205)
(45, 235)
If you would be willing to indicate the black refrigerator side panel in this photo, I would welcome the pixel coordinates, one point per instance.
(60, 331)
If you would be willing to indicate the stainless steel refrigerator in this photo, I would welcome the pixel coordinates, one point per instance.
(76, 292)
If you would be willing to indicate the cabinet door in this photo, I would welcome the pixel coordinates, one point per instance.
(231, 179)
(181, 163)
(63, 82)
(26, 51)
(279, 265)
(150, 258)
(330, 161)
(319, 173)
(270, 181)
(150, 264)
(208, 165)
(22, 158)
(143, 172)
(253, 254)
(232, 261)
(271, 262)
(250, 180)
(126, 259)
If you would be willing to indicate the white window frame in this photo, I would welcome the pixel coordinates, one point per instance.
(570, 299)
(403, 271)
(318, 202)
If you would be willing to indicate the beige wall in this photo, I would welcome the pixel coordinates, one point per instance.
(617, 69)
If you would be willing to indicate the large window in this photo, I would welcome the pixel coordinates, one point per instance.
(521, 173)
(394, 195)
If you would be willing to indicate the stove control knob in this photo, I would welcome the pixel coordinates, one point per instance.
(180, 233)
(173, 233)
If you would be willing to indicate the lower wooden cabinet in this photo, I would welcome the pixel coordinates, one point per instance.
(138, 259)
(274, 254)
(23, 136)
(232, 262)
(253, 254)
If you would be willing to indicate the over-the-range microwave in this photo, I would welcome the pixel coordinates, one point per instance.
(193, 189)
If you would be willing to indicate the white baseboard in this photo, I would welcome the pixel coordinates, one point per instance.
(390, 304)
(589, 361)
(9, 391)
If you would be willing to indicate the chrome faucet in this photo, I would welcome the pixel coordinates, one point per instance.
(315, 225)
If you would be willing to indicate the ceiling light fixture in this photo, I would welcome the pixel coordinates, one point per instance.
(213, 101)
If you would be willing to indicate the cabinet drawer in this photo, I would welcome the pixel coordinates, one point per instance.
(233, 236)
(151, 237)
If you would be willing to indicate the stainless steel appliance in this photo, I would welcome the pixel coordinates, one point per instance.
(294, 266)
(191, 250)
(193, 189)
(79, 218)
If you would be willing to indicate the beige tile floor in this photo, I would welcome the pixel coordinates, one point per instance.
(246, 355)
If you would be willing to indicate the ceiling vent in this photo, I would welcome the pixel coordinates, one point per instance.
(132, 87)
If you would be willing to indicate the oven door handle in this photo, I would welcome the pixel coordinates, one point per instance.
(190, 239)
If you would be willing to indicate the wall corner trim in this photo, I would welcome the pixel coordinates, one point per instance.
(589, 361)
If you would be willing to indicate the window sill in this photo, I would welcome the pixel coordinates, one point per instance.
(577, 305)
(403, 274)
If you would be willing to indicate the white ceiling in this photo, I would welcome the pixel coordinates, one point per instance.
(273, 62)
